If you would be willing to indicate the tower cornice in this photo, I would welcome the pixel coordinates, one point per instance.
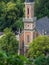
(30, 3)
(29, 19)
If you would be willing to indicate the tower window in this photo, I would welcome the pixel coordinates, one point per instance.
(23, 44)
(28, 11)
(28, 38)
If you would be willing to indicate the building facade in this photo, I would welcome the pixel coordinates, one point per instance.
(32, 27)
(28, 33)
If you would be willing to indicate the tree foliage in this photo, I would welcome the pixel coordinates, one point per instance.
(41, 8)
(42, 60)
(17, 60)
(10, 12)
(9, 49)
(3, 58)
(9, 43)
(39, 46)
(12, 59)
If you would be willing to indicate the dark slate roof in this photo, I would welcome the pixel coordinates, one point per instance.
(29, 0)
(42, 25)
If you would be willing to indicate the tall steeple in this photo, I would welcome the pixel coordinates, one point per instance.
(29, 23)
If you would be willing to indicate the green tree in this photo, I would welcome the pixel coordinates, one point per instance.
(9, 49)
(9, 43)
(17, 60)
(18, 25)
(12, 59)
(39, 46)
(41, 8)
(47, 60)
(9, 14)
(6, 1)
(41, 60)
(3, 58)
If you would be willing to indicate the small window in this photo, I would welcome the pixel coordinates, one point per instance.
(22, 44)
(28, 11)
(28, 38)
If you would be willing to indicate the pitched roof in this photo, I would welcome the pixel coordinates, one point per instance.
(42, 25)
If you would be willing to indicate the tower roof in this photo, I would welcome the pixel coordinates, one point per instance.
(29, 0)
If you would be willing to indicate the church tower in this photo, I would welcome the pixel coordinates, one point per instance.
(29, 23)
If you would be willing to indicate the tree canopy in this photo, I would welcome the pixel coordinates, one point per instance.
(39, 46)
(9, 49)
(12, 59)
(10, 12)
(41, 8)
(9, 43)
(42, 60)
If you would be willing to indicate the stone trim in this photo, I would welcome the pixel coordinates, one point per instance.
(30, 29)
(30, 3)
(29, 19)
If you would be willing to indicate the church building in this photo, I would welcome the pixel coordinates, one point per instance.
(32, 27)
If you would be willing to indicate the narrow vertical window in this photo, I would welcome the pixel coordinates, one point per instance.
(28, 11)
(28, 39)
(23, 44)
